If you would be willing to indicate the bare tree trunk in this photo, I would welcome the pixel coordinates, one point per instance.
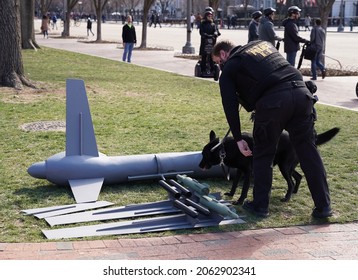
(99, 7)
(27, 10)
(70, 4)
(45, 5)
(214, 4)
(325, 7)
(146, 6)
(11, 64)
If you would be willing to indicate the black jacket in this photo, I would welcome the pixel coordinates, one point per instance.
(248, 74)
(291, 38)
(128, 34)
(208, 29)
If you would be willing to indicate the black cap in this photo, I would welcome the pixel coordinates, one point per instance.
(269, 11)
(209, 9)
(256, 14)
(293, 10)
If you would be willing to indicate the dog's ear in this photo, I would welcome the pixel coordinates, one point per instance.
(212, 135)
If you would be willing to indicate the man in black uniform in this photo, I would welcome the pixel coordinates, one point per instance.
(259, 78)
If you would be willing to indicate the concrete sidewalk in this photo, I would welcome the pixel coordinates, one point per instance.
(335, 91)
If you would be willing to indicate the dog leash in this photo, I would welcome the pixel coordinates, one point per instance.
(222, 154)
(220, 142)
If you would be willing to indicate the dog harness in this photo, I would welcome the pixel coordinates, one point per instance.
(222, 154)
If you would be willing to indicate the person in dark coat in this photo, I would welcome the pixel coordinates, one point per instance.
(208, 30)
(266, 27)
(291, 38)
(254, 26)
(318, 38)
(89, 26)
(44, 26)
(257, 77)
(129, 39)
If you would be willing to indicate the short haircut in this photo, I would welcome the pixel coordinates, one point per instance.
(318, 21)
(226, 46)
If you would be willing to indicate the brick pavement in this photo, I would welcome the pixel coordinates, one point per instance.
(313, 242)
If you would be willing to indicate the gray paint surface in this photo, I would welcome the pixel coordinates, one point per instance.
(85, 169)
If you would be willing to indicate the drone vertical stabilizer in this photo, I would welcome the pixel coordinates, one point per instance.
(80, 137)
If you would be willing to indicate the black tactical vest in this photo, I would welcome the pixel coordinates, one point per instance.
(259, 65)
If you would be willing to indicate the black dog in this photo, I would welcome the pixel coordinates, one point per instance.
(227, 153)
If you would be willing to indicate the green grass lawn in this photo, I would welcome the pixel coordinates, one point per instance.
(137, 110)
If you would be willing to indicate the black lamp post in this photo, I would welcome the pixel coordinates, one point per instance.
(188, 48)
(341, 18)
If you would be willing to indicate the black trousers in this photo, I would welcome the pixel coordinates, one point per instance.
(204, 58)
(288, 107)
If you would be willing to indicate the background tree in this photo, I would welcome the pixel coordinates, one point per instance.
(45, 5)
(67, 17)
(27, 11)
(146, 8)
(11, 64)
(324, 8)
(214, 4)
(99, 6)
(131, 4)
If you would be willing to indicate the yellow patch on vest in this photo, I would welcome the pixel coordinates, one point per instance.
(261, 50)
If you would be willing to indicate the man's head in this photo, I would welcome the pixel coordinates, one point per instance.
(318, 21)
(256, 15)
(129, 19)
(209, 9)
(294, 12)
(269, 12)
(208, 15)
(221, 52)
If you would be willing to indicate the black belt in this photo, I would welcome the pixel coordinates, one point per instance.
(285, 85)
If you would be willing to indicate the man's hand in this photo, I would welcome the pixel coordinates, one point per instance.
(244, 148)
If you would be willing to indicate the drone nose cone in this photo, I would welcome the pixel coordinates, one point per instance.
(38, 170)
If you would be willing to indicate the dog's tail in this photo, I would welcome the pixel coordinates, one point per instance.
(326, 136)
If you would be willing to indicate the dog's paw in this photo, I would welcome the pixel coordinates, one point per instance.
(285, 199)
(228, 194)
(240, 201)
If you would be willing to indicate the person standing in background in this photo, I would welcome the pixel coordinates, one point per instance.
(44, 26)
(291, 38)
(254, 26)
(208, 31)
(129, 39)
(89, 26)
(307, 23)
(54, 22)
(266, 27)
(198, 20)
(192, 21)
(318, 38)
